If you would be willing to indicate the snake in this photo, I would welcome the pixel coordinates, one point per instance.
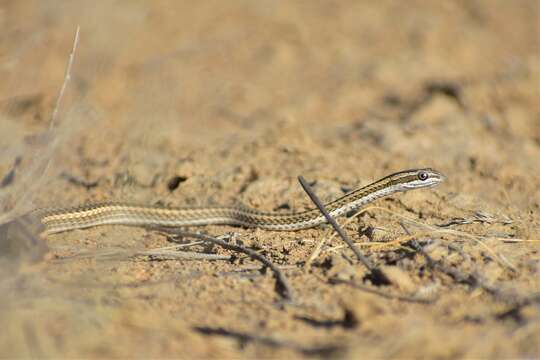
(56, 220)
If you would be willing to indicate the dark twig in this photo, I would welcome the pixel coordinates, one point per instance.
(243, 338)
(333, 222)
(155, 254)
(376, 273)
(282, 285)
(78, 181)
(464, 278)
(10, 176)
(386, 295)
(416, 246)
(455, 274)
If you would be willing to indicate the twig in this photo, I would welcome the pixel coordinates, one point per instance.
(469, 279)
(376, 273)
(282, 285)
(317, 251)
(324, 352)
(386, 295)
(34, 175)
(334, 224)
(167, 252)
(10, 176)
(417, 247)
(67, 77)
(182, 255)
(79, 181)
(377, 245)
(455, 274)
(435, 230)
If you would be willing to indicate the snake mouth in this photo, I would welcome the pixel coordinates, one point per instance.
(439, 178)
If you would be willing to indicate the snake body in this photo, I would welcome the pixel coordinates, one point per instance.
(64, 219)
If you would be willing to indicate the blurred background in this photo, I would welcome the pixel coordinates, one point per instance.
(231, 100)
(371, 86)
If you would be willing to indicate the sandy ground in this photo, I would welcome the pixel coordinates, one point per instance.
(225, 102)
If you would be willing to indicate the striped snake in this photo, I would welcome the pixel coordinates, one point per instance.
(58, 220)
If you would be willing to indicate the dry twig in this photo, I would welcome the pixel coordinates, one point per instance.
(67, 77)
(378, 276)
(282, 285)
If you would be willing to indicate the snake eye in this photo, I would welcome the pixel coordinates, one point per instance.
(423, 176)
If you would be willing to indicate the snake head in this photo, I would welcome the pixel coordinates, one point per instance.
(419, 178)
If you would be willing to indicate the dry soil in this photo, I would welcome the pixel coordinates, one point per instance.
(227, 102)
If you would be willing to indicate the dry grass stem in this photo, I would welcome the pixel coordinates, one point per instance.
(432, 230)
